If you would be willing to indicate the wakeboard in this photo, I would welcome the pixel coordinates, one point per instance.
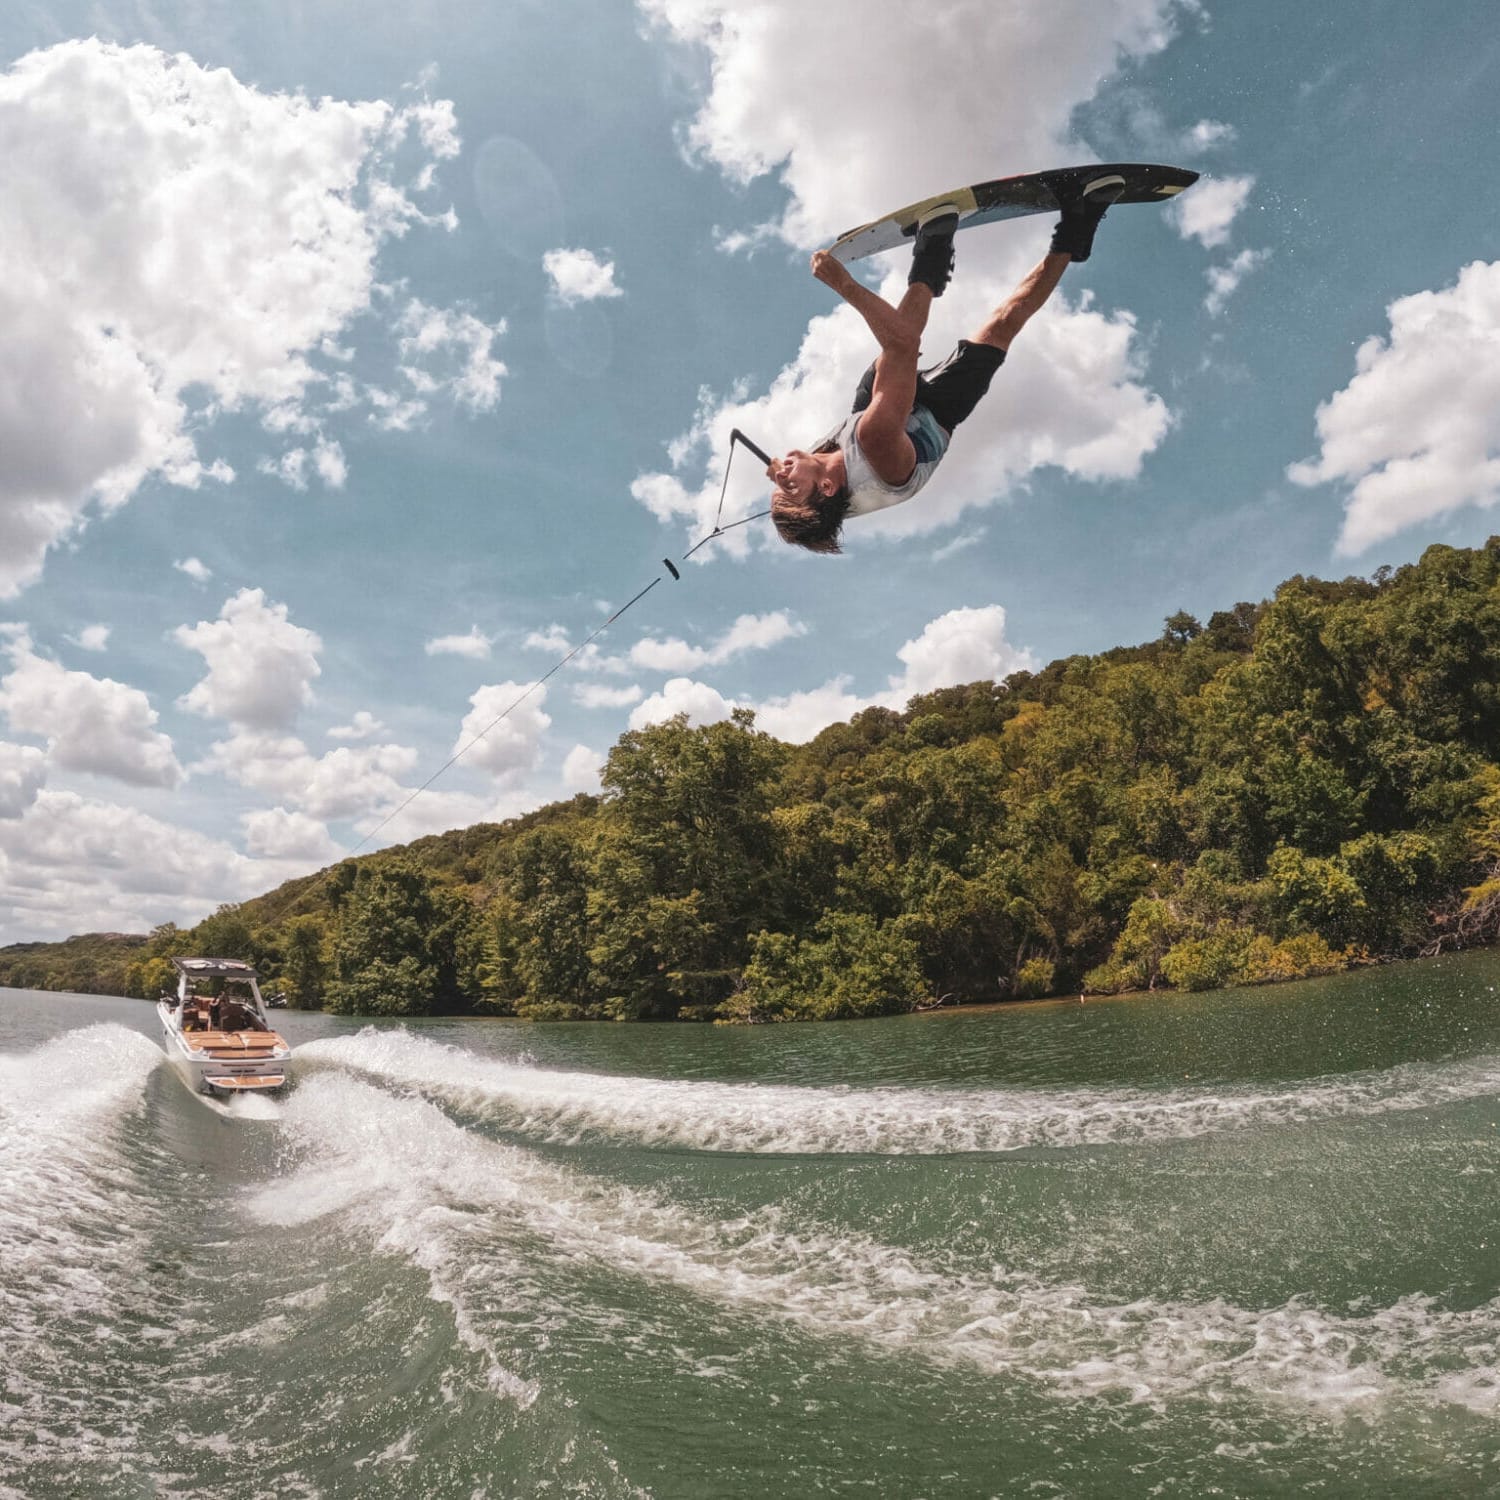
(1012, 198)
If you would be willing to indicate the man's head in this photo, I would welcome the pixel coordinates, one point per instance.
(810, 498)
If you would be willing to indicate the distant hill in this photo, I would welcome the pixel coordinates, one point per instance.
(1296, 786)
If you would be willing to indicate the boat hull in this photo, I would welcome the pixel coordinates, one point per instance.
(223, 1064)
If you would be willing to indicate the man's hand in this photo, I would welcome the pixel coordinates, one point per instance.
(831, 271)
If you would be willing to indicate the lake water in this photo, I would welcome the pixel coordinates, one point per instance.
(1234, 1244)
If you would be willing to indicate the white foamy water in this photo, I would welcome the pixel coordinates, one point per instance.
(566, 1108)
(74, 1231)
(64, 1223)
(474, 1213)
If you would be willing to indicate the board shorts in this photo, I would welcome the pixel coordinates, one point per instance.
(949, 390)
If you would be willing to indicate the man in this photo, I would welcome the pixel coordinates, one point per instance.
(902, 421)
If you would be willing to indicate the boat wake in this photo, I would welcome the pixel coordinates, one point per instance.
(76, 1228)
(569, 1109)
(480, 1215)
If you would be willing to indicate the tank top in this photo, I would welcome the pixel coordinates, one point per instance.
(867, 490)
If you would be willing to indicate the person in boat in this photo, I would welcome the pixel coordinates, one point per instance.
(902, 420)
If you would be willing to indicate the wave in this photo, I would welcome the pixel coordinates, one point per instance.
(474, 1213)
(569, 1108)
(75, 1233)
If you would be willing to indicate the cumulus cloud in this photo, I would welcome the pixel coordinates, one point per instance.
(682, 695)
(363, 726)
(503, 729)
(580, 276)
(446, 349)
(1206, 213)
(91, 724)
(597, 695)
(74, 864)
(91, 638)
(23, 773)
(839, 164)
(325, 459)
(1224, 280)
(581, 768)
(475, 645)
(199, 572)
(748, 633)
(261, 667)
(964, 645)
(189, 259)
(342, 784)
(275, 833)
(1416, 433)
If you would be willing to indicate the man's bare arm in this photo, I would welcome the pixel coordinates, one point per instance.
(898, 330)
(893, 327)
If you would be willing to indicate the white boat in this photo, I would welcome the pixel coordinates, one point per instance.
(216, 1032)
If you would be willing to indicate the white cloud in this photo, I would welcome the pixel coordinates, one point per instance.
(91, 724)
(681, 695)
(581, 768)
(345, 783)
(329, 461)
(275, 833)
(1206, 213)
(960, 543)
(842, 165)
(199, 572)
(580, 276)
(23, 773)
(325, 458)
(553, 638)
(475, 645)
(261, 667)
(597, 695)
(1224, 280)
(1416, 432)
(363, 726)
(72, 864)
(1207, 134)
(509, 716)
(748, 633)
(199, 248)
(443, 349)
(91, 638)
(964, 645)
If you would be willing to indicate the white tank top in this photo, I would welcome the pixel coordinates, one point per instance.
(867, 490)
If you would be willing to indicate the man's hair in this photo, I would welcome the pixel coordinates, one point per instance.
(813, 523)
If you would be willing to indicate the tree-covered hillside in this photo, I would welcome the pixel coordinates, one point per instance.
(1296, 786)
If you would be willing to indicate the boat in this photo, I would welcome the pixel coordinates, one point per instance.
(216, 1032)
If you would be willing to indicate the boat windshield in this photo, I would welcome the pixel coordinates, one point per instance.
(221, 1005)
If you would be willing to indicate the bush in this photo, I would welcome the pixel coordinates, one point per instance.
(855, 967)
(1114, 977)
(1207, 963)
(1034, 978)
(1299, 957)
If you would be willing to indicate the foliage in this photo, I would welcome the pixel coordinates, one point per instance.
(1293, 787)
(852, 966)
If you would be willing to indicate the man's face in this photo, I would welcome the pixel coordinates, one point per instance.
(796, 476)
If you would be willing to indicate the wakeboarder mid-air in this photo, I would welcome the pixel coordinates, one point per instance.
(902, 420)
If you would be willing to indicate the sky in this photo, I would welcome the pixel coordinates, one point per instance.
(363, 359)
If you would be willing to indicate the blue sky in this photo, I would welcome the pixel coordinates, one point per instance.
(361, 362)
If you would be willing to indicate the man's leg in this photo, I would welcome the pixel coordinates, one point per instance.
(1029, 297)
(1072, 241)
